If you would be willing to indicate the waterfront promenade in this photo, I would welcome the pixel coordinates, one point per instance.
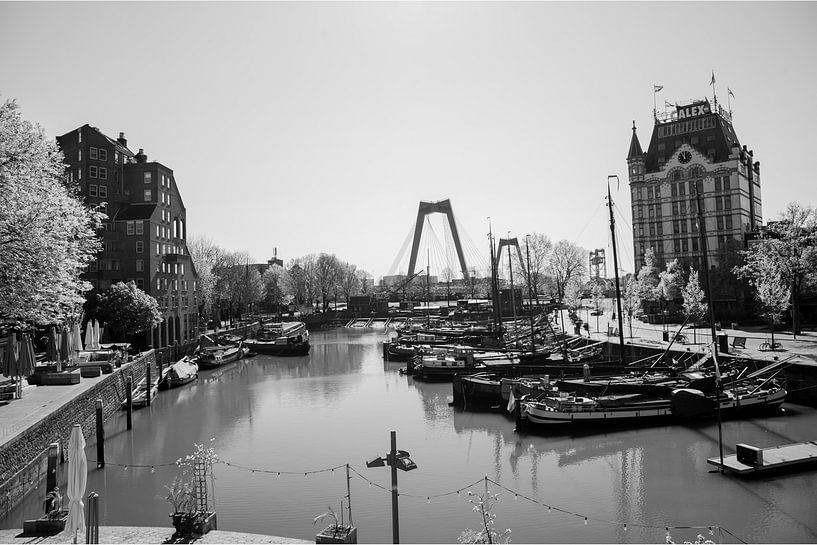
(144, 534)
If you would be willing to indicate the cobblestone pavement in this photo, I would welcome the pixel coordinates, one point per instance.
(151, 535)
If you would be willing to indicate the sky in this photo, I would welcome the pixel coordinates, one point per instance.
(313, 127)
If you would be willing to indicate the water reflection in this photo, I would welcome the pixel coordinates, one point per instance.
(337, 406)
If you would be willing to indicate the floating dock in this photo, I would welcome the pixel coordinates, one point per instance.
(750, 460)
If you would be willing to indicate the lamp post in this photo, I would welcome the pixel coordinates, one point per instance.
(397, 459)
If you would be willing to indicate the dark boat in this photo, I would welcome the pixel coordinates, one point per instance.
(211, 357)
(180, 373)
(281, 339)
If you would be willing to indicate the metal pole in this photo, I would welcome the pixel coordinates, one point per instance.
(395, 523)
(705, 265)
(349, 494)
(148, 364)
(615, 267)
(100, 436)
(51, 479)
(530, 297)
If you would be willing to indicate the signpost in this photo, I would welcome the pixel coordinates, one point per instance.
(397, 459)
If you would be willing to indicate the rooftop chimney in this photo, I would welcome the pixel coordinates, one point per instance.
(122, 140)
(141, 157)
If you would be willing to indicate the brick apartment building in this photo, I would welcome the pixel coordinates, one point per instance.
(144, 236)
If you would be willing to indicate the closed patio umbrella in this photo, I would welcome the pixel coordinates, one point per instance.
(76, 341)
(95, 336)
(52, 348)
(26, 362)
(89, 336)
(9, 363)
(77, 479)
(65, 345)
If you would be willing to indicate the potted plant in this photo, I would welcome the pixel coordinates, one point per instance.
(188, 493)
(337, 532)
(54, 519)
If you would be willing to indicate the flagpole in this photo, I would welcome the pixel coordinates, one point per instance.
(714, 92)
(729, 102)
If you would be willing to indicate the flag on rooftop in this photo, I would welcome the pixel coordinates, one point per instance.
(657, 88)
(730, 92)
(713, 78)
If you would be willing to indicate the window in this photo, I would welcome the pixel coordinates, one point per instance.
(148, 177)
(727, 202)
(140, 227)
(140, 247)
(726, 183)
(163, 214)
(641, 230)
(158, 283)
(168, 199)
(674, 191)
(683, 207)
(717, 183)
(682, 189)
(640, 211)
(158, 249)
(684, 245)
(140, 265)
(115, 157)
(164, 267)
(79, 135)
(651, 211)
(694, 244)
(652, 229)
(676, 227)
(657, 192)
(92, 190)
(649, 193)
(162, 196)
(676, 244)
(115, 264)
(103, 173)
(93, 153)
(638, 192)
(683, 226)
(92, 172)
(148, 195)
(79, 174)
(182, 266)
(720, 222)
(140, 283)
(718, 203)
(79, 155)
(129, 227)
(103, 155)
(158, 232)
(103, 191)
(674, 208)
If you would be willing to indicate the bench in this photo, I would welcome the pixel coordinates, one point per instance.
(64, 378)
(739, 342)
(90, 371)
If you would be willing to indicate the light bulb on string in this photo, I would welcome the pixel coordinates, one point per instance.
(585, 521)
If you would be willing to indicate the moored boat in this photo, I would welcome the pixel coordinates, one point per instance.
(211, 357)
(180, 373)
(281, 339)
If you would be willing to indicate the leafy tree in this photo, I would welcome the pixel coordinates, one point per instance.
(694, 306)
(789, 246)
(568, 263)
(274, 281)
(327, 275)
(536, 251)
(670, 284)
(630, 300)
(127, 310)
(648, 280)
(47, 235)
(207, 258)
(774, 297)
(349, 280)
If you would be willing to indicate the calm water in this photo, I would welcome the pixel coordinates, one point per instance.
(338, 405)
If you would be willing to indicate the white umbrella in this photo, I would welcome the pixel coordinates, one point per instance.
(96, 335)
(76, 340)
(89, 336)
(77, 479)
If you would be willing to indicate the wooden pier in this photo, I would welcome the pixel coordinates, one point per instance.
(751, 460)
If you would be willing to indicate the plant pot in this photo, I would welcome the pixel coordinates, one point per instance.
(46, 526)
(193, 524)
(337, 534)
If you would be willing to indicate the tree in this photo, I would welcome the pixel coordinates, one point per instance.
(648, 280)
(327, 274)
(597, 293)
(274, 281)
(789, 246)
(47, 235)
(694, 306)
(349, 280)
(127, 310)
(630, 300)
(670, 284)
(568, 263)
(537, 252)
(207, 258)
(774, 297)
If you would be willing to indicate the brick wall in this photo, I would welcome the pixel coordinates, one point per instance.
(23, 461)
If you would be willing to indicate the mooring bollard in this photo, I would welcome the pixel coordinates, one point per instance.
(129, 398)
(53, 463)
(100, 436)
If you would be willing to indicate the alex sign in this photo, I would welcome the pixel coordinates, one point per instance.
(693, 110)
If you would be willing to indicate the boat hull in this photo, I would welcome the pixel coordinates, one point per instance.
(273, 349)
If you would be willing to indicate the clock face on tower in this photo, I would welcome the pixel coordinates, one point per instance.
(685, 157)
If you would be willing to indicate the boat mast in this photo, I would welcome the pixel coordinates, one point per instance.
(494, 287)
(513, 295)
(615, 268)
(530, 298)
(428, 288)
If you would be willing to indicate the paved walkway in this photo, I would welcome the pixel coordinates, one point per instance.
(152, 535)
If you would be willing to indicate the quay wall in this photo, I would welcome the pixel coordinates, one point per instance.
(24, 459)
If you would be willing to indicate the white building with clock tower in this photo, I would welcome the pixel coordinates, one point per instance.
(694, 156)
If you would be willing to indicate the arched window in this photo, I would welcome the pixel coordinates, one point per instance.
(175, 228)
(182, 229)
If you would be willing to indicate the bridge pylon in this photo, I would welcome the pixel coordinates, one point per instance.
(441, 207)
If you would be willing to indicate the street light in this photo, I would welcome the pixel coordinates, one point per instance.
(397, 459)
